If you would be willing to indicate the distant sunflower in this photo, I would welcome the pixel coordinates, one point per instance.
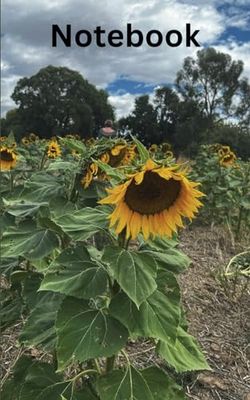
(165, 147)
(75, 153)
(153, 148)
(25, 141)
(54, 149)
(228, 159)
(33, 137)
(224, 150)
(7, 158)
(169, 154)
(153, 201)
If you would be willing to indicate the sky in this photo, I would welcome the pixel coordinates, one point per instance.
(124, 72)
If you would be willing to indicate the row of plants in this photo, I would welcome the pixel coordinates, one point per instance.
(90, 261)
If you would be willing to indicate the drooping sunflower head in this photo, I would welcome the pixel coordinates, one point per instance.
(165, 147)
(8, 158)
(223, 150)
(75, 153)
(116, 155)
(153, 148)
(228, 159)
(91, 172)
(153, 201)
(25, 141)
(33, 137)
(53, 149)
(130, 154)
(105, 158)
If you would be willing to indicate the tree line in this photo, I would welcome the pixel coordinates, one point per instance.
(208, 102)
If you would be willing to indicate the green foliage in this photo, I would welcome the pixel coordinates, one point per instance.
(82, 292)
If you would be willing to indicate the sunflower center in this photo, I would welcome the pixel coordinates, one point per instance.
(153, 195)
(6, 155)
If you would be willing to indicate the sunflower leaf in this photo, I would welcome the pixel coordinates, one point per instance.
(82, 224)
(29, 241)
(128, 384)
(84, 333)
(184, 354)
(75, 274)
(134, 271)
(143, 152)
(157, 317)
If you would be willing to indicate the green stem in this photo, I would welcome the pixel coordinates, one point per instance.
(43, 160)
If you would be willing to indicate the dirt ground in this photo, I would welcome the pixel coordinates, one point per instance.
(220, 322)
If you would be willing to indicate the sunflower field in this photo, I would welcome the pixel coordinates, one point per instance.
(91, 261)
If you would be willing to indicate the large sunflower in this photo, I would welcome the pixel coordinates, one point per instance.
(7, 158)
(153, 201)
(53, 149)
(228, 159)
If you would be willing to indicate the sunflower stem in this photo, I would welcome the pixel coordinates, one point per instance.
(43, 160)
(110, 362)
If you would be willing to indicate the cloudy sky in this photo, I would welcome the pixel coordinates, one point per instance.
(123, 72)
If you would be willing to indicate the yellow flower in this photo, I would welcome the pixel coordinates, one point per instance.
(129, 155)
(153, 201)
(87, 179)
(33, 137)
(75, 153)
(169, 154)
(25, 141)
(153, 148)
(224, 150)
(93, 168)
(165, 147)
(115, 151)
(54, 149)
(105, 158)
(228, 159)
(7, 158)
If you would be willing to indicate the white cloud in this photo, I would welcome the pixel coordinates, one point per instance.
(123, 103)
(27, 39)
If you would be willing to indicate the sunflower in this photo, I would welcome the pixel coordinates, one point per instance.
(87, 179)
(91, 172)
(7, 158)
(116, 158)
(33, 137)
(53, 149)
(224, 150)
(25, 141)
(169, 154)
(75, 153)
(153, 148)
(105, 158)
(153, 201)
(228, 159)
(129, 155)
(165, 147)
(3, 138)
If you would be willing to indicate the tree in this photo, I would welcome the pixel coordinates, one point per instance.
(12, 123)
(212, 80)
(58, 100)
(142, 122)
(167, 105)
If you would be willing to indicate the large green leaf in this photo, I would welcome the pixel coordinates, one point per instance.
(134, 271)
(122, 385)
(143, 152)
(184, 354)
(85, 333)
(82, 224)
(19, 208)
(11, 388)
(39, 328)
(75, 274)
(157, 317)
(10, 308)
(42, 186)
(34, 380)
(161, 386)
(28, 241)
(8, 265)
